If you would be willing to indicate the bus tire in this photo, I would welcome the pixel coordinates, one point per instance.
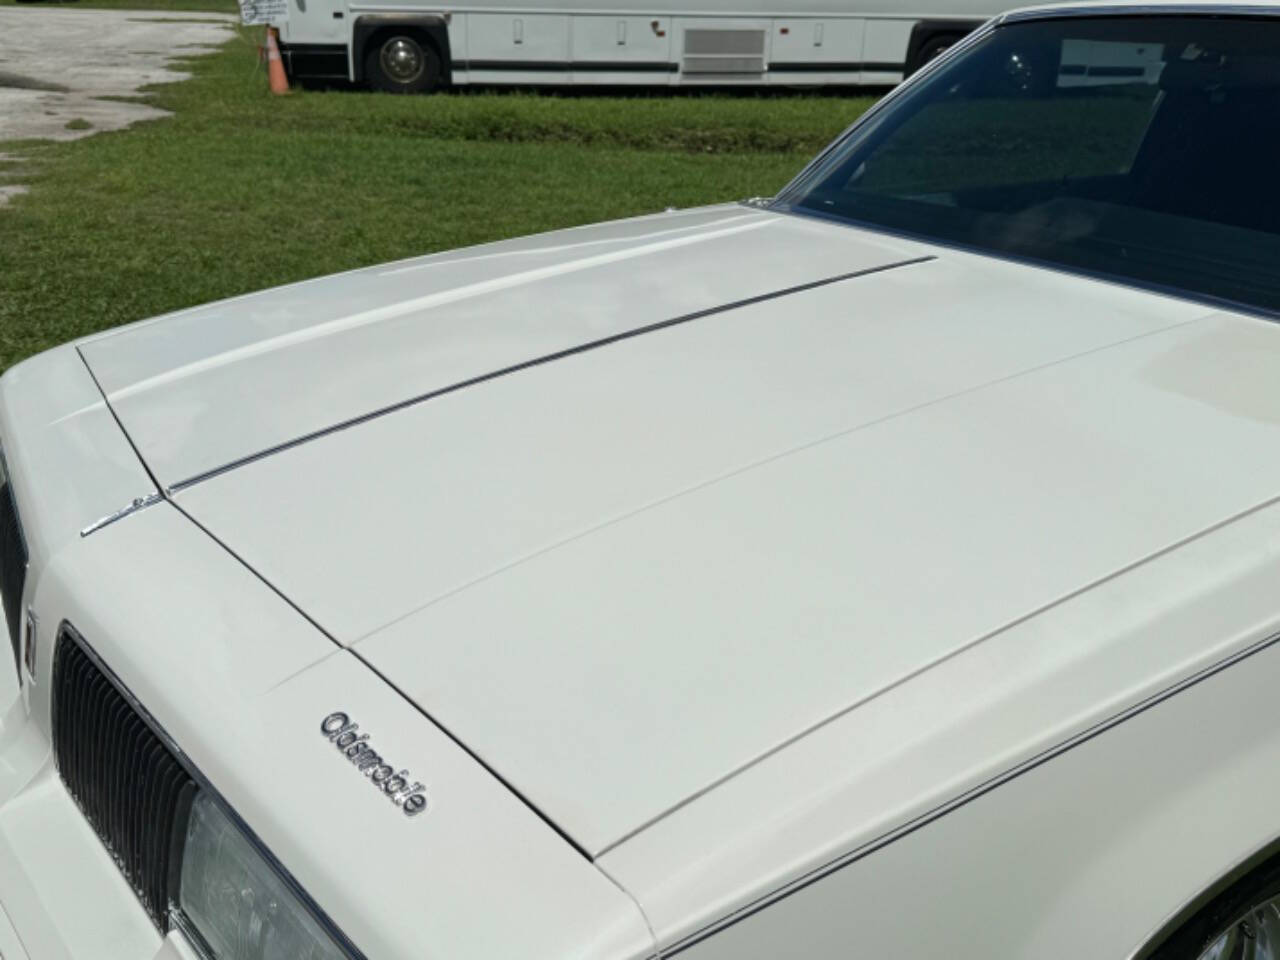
(933, 48)
(402, 61)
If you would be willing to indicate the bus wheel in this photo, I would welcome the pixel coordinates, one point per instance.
(933, 48)
(401, 63)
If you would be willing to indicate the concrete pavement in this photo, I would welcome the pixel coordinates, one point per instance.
(56, 62)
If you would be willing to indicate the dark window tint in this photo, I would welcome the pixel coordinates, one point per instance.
(1142, 148)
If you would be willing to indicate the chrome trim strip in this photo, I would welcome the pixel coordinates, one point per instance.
(536, 362)
(133, 506)
(195, 939)
(924, 819)
(322, 919)
(30, 638)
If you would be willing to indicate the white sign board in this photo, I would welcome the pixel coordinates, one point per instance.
(264, 11)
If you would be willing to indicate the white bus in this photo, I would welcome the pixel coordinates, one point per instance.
(404, 46)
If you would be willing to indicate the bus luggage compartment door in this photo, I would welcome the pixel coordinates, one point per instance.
(721, 51)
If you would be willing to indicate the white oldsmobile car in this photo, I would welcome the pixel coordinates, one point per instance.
(888, 569)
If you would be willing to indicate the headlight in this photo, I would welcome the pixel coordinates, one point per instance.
(234, 901)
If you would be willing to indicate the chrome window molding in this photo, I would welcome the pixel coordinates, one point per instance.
(875, 110)
(194, 937)
(65, 628)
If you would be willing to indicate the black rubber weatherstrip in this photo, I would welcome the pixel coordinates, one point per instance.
(535, 362)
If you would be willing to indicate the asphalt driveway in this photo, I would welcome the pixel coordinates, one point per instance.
(55, 64)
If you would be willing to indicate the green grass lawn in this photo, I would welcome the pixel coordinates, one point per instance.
(239, 190)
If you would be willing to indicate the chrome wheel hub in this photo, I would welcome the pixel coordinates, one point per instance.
(402, 60)
(1254, 936)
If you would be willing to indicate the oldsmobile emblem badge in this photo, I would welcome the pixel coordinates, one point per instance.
(395, 785)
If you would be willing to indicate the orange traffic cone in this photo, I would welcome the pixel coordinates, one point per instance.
(275, 67)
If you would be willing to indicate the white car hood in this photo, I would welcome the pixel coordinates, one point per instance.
(208, 387)
(623, 575)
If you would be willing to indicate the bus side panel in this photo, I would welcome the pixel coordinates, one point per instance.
(313, 22)
(314, 40)
(459, 74)
(884, 50)
(528, 48)
(622, 49)
(816, 51)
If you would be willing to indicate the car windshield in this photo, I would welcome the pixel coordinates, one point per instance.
(1144, 149)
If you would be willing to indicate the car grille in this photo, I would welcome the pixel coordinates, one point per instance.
(13, 562)
(127, 782)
